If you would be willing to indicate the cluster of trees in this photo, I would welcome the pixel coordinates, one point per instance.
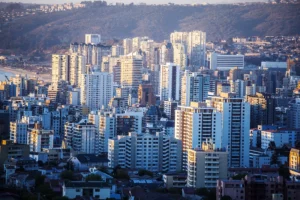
(14, 7)
(143, 172)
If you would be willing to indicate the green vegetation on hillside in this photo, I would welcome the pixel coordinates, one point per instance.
(44, 31)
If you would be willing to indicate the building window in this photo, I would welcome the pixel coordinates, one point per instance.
(77, 190)
(97, 190)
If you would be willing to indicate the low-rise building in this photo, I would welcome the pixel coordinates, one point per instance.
(235, 189)
(9, 150)
(258, 186)
(83, 162)
(279, 137)
(95, 189)
(25, 163)
(174, 180)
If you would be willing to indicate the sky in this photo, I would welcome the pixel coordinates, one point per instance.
(135, 1)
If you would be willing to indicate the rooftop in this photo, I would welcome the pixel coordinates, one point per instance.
(92, 158)
(86, 184)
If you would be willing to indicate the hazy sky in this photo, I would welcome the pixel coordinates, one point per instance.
(135, 1)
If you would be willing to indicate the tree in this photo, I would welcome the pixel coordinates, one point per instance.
(274, 158)
(69, 166)
(211, 194)
(40, 163)
(143, 172)
(60, 198)
(201, 191)
(14, 6)
(45, 191)
(20, 169)
(39, 180)
(122, 174)
(67, 175)
(103, 169)
(115, 170)
(238, 176)
(93, 177)
(174, 190)
(272, 145)
(226, 198)
(284, 172)
(297, 145)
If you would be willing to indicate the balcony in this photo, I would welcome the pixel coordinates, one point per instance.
(211, 176)
(212, 162)
(211, 167)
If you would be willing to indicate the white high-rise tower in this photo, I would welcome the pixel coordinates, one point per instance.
(194, 87)
(195, 43)
(60, 68)
(96, 90)
(169, 82)
(77, 68)
(196, 123)
(235, 124)
(92, 38)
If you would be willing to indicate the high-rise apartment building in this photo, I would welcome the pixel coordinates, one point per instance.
(194, 87)
(223, 87)
(20, 82)
(262, 109)
(130, 121)
(105, 123)
(195, 124)
(294, 161)
(60, 68)
(180, 57)
(145, 151)
(82, 137)
(169, 82)
(92, 38)
(197, 48)
(68, 68)
(195, 44)
(235, 125)
(226, 62)
(279, 137)
(179, 37)
(93, 53)
(77, 67)
(205, 166)
(96, 90)
(131, 70)
(58, 119)
(136, 43)
(117, 50)
(294, 113)
(166, 53)
(39, 138)
(127, 45)
(169, 108)
(238, 87)
(146, 95)
(18, 132)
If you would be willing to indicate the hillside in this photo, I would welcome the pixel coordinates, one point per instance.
(219, 21)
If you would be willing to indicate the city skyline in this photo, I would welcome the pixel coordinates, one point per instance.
(103, 107)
